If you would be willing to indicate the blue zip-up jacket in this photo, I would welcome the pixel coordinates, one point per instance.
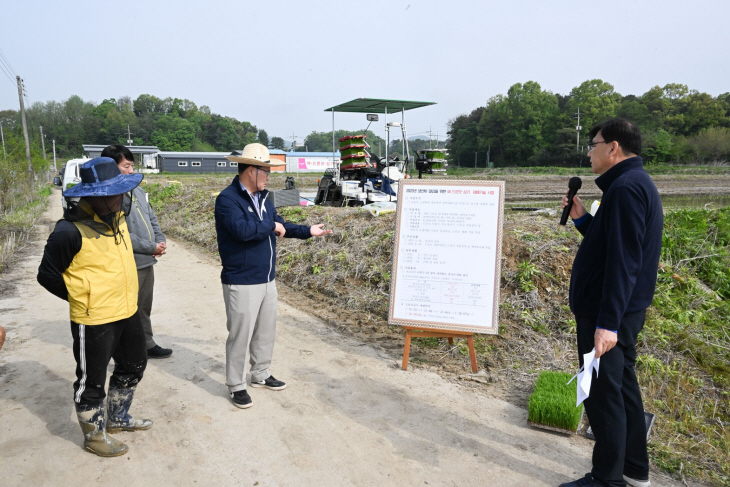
(246, 242)
(615, 269)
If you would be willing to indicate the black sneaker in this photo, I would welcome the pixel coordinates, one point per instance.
(587, 481)
(241, 399)
(158, 352)
(270, 383)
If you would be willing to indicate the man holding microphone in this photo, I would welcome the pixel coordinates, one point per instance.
(612, 284)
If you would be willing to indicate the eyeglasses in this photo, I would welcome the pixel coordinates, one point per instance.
(267, 173)
(593, 145)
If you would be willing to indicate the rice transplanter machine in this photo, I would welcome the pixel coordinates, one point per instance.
(362, 177)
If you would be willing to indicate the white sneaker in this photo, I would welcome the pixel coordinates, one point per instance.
(637, 483)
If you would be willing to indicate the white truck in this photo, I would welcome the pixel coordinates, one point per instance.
(69, 176)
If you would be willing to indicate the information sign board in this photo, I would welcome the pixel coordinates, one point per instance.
(447, 255)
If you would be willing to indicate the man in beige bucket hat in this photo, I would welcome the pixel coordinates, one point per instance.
(247, 226)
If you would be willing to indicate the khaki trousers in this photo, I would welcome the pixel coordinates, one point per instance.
(251, 323)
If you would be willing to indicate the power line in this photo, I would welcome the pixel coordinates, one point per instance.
(6, 66)
(2, 56)
(6, 74)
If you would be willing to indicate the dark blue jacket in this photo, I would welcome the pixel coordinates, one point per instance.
(615, 269)
(246, 242)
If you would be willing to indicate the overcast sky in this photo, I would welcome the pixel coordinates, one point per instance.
(279, 64)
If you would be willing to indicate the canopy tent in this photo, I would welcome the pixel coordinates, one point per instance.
(377, 105)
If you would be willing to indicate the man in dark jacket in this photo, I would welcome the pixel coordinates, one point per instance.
(247, 225)
(612, 283)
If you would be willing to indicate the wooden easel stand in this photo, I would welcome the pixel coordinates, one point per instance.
(412, 332)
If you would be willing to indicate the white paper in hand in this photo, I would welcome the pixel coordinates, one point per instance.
(585, 375)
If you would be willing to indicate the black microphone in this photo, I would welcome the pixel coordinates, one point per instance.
(573, 186)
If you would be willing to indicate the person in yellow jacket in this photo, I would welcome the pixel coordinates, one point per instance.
(89, 262)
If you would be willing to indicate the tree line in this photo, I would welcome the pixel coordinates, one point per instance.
(530, 126)
(172, 124)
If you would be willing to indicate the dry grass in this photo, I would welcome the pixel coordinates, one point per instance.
(22, 202)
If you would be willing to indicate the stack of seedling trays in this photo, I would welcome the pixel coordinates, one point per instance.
(436, 158)
(353, 154)
(552, 404)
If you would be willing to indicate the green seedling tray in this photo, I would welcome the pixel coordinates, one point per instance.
(435, 154)
(355, 151)
(353, 158)
(552, 404)
(352, 139)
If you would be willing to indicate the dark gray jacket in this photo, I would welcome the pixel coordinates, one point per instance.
(143, 228)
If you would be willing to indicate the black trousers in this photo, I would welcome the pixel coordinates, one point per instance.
(95, 345)
(614, 407)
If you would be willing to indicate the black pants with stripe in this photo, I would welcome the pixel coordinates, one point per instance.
(95, 345)
(614, 407)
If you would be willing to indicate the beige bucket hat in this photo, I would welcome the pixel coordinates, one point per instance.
(256, 155)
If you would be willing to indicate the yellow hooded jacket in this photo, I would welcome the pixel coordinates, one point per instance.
(102, 278)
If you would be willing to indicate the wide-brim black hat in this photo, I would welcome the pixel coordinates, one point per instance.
(101, 177)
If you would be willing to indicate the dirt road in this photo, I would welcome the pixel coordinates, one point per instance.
(350, 416)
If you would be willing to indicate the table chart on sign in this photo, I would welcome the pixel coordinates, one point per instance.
(446, 263)
(447, 292)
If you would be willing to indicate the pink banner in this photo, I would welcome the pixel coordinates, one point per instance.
(302, 163)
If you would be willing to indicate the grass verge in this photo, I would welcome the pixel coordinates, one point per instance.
(22, 201)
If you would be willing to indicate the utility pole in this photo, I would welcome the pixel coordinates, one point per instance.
(293, 142)
(43, 142)
(130, 142)
(54, 156)
(475, 159)
(489, 164)
(577, 133)
(25, 125)
(2, 135)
